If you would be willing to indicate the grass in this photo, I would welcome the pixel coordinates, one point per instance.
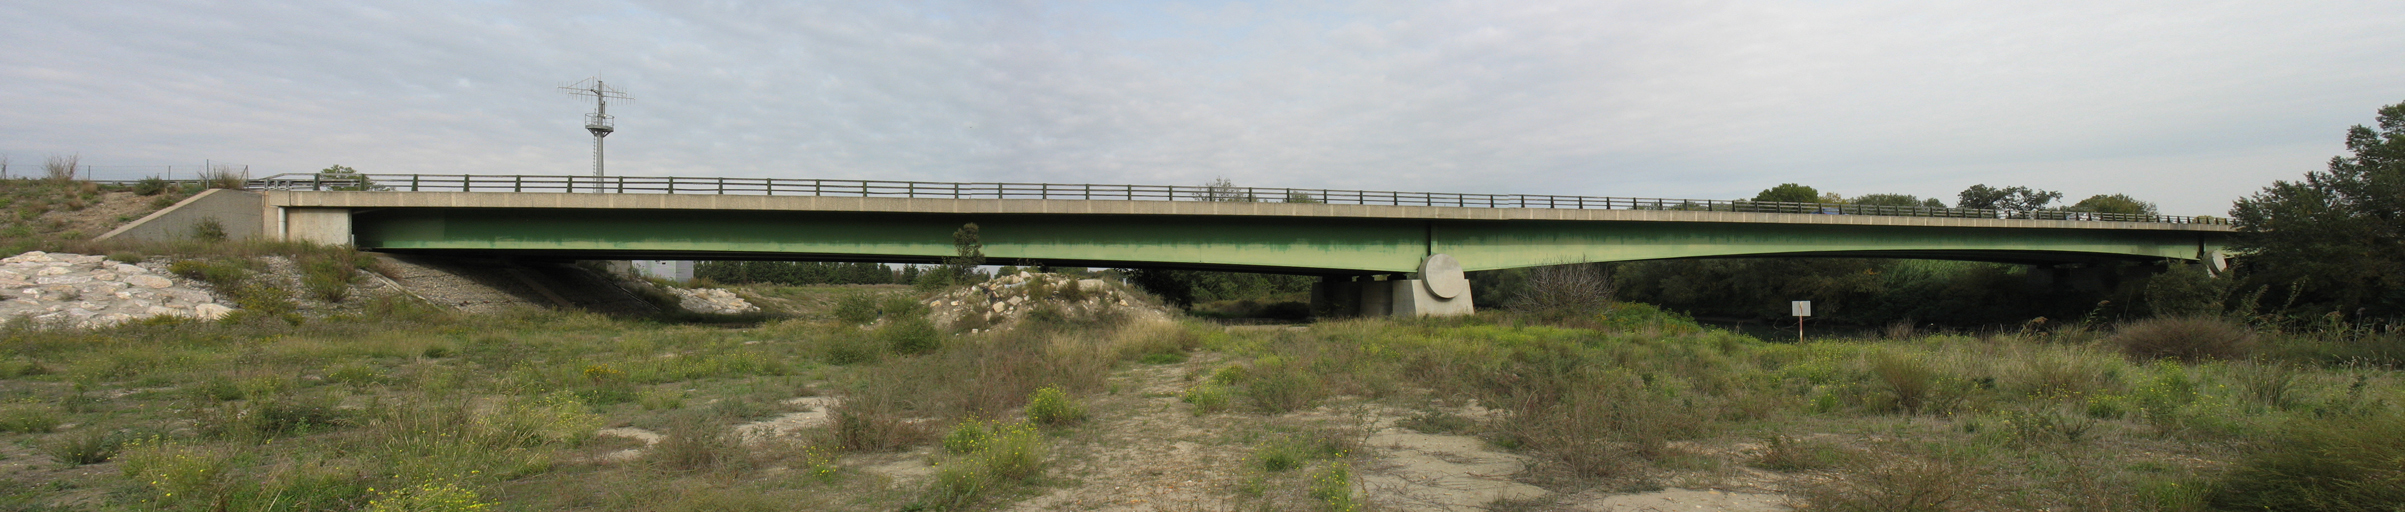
(402, 407)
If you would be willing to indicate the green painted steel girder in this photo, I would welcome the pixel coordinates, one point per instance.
(1331, 245)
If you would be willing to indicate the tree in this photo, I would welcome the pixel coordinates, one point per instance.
(341, 177)
(2116, 203)
(1788, 193)
(2336, 234)
(1223, 191)
(2017, 200)
(1898, 200)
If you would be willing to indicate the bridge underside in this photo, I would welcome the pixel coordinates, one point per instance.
(1327, 245)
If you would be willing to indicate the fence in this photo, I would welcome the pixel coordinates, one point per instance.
(1093, 192)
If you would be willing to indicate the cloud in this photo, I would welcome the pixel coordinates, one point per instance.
(2191, 105)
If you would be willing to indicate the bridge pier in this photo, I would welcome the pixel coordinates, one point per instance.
(1442, 290)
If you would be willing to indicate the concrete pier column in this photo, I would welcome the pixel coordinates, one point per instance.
(331, 226)
(1442, 290)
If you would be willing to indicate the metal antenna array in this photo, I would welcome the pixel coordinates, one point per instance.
(598, 122)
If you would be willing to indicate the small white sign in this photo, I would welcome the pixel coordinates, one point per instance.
(1802, 307)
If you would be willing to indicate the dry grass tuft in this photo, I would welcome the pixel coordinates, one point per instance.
(2191, 339)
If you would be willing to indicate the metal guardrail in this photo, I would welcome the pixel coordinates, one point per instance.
(951, 190)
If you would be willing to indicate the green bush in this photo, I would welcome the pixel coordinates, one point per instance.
(88, 446)
(856, 308)
(27, 419)
(1207, 398)
(2323, 464)
(150, 186)
(849, 347)
(1051, 406)
(968, 436)
(2192, 338)
(911, 335)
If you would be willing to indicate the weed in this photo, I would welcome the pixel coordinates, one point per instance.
(1911, 379)
(88, 446)
(1163, 358)
(2318, 464)
(1782, 453)
(821, 463)
(693, 444)
(850, 347)
(968, 436)
(911, 335)
(1276, 387)
(27, 419)
(2045, 423)
(209, 230)
(860, 425)
(1207, 398)
(1439, 422)
(150, 186)
(267, 417)
(660, 399)
(1051, 406)
(428, 497)
(2186, 339)
(855, 308)
(1896, 480)
(1012, 455)
(1333, 487)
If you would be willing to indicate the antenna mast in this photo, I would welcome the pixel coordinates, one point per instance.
(599, 122)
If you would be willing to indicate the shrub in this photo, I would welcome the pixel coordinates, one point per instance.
(89, 446)
(209, 230)
(1896, 481)
(1782, 453)
(1910, 378)
(1565, 290)
(911, 335)
(692, 444)
(1207, 398)
(150, 186)
(863, 426)
(263, 417)
(849, 347)
(27, 419)
(1277, 387)
(1051, 406)
(855, 308)
(427, 497)
(968, 436)
(2332, 464)
(1013, 454)
(1333, 487)
(2185, 338)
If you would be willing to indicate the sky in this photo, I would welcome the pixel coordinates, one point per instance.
(2189, 104)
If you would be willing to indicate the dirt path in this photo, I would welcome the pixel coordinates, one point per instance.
(1144, 450)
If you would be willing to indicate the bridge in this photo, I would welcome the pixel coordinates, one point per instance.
(1375, 248)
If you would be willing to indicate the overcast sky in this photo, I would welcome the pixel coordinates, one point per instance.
(2187, 103)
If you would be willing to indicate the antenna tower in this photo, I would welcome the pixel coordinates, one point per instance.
(599, 122)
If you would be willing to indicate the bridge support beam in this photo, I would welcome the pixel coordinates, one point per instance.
(1366, 296)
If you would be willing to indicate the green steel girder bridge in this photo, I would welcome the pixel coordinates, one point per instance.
(1280, 230)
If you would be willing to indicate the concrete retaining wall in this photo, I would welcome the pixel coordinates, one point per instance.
(242, 213)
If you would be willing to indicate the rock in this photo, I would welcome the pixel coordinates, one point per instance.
(29, 257)
(53, 271)
(148, 281)
(122, 268)
(63, 279)
(211, 311)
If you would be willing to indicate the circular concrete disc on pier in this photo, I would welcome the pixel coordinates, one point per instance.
(1444, 277)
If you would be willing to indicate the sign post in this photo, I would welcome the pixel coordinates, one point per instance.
(1802, 308)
